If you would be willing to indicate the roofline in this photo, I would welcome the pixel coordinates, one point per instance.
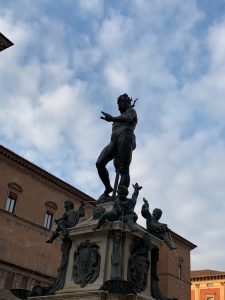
(4, 152)
(206, 274)
(207, 277)
(183, 240)
(178, 237)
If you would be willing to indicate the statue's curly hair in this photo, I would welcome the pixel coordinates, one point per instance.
(128, 99)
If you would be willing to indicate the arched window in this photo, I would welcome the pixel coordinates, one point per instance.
(50, 209)
(14, 190)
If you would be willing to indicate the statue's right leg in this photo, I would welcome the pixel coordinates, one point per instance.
(125, 148)
(107, 154)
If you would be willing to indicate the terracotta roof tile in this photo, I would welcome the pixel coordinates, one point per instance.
(206, 272)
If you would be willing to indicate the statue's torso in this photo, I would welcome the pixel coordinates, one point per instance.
(72, 217)
(119, 129)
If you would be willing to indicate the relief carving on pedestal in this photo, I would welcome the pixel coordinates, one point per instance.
(86, 263)
(138, 263)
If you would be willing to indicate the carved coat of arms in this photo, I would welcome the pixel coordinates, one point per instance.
(138, 263)
(86, 263)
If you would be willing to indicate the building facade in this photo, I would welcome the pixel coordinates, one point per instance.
(30, 200)
(174, 268)
(207, 285)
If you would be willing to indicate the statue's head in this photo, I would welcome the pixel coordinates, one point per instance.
(68, 205)
(122, 191)
(124, 102)
(157, 213)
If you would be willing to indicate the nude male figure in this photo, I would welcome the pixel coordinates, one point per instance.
(121, 145)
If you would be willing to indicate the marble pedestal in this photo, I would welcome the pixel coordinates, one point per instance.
(107, 268)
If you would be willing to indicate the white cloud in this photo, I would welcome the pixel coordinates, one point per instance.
(92, 7)
(58, 77)
(216, 41)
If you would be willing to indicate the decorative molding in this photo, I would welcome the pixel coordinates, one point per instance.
(174, 276)
(17, 268)
(15, 218)
(51, 204)
(208, 277)
(138, 263)
(86, 265)
(15, 186)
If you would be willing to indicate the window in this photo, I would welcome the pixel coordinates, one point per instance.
(209, 298)
(14, 190)
(179, 271)
(48, 220)
(50, 209)
(11, 202)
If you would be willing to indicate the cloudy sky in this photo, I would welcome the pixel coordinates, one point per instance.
(72, 59)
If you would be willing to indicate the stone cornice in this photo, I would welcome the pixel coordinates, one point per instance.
(22, 162)
(208, 277)
(11, 216)
(26, 270)
(182, 240)
(175, 277)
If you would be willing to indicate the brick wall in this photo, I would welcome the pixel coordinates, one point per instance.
(174, 271)
(25, 258)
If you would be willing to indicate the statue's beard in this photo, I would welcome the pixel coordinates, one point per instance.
(123, 109)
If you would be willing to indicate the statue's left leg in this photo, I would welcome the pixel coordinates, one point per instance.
(124, 156)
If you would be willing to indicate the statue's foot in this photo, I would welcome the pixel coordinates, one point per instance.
(103, 198)
(108, 191)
